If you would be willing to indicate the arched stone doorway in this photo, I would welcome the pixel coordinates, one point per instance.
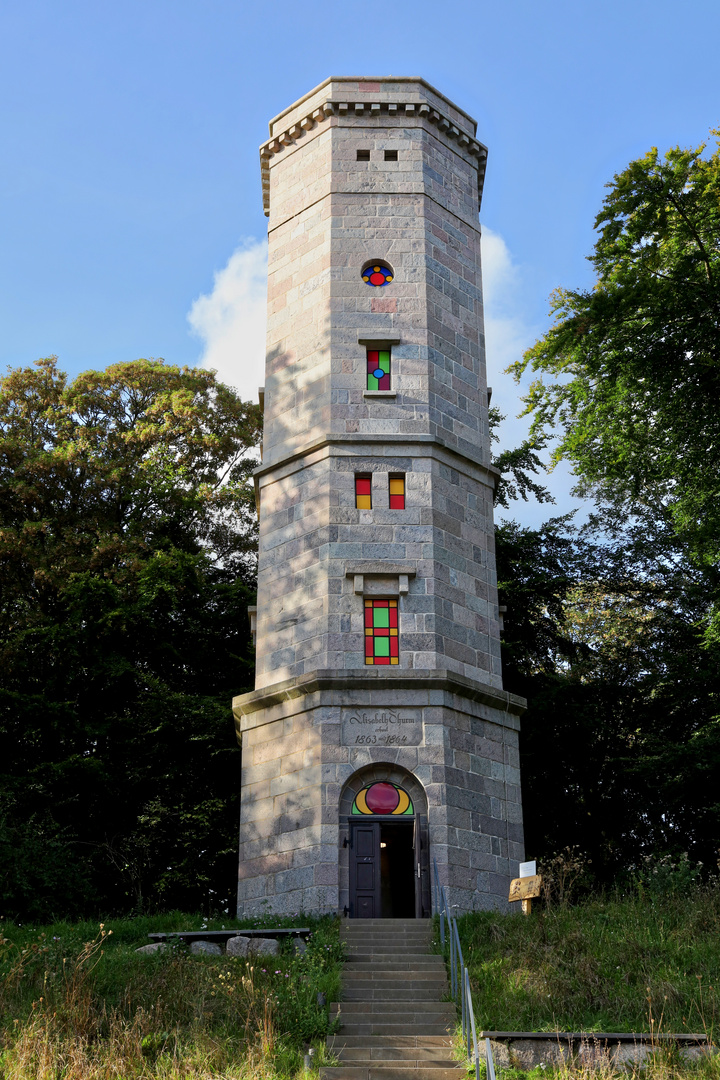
(384, 858)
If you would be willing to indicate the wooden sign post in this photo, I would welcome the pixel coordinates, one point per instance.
(526, 887)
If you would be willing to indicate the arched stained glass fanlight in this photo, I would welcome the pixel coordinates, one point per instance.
(382, 798)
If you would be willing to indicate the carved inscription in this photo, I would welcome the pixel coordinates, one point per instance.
(382, 727)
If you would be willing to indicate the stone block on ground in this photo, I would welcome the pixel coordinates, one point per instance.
(205, 948)
(148, 950)
(238, 946)
(264, 947)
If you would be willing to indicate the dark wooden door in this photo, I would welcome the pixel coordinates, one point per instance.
(365, 895)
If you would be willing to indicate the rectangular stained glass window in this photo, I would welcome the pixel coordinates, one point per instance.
(397, 492)
(381, 632)
(363, 492)
(378, 369)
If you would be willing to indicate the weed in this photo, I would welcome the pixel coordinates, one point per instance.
(95, 1009)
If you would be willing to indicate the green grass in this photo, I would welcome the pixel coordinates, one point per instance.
(78, 1003)
(637, 963)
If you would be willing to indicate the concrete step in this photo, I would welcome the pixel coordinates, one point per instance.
(392, 948)
(374, 993)
(429, 1008)
(364, 963)
(391, 977)
(395, 1053)
(337, 1042)
(382, 936)
(391, 1071)
(405, 935)
(399, 1063)
(396, 1024)
(386, 923)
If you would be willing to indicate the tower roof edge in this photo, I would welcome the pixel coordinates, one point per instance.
(362, 85)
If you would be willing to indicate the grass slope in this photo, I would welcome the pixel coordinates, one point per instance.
(81, 1004)
(630, 964)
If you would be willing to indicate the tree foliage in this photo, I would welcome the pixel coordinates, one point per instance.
(617, 643)
(620, 747)
(127, 538)
(634, 363)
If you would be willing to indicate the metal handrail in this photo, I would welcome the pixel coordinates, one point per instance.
(460, 981)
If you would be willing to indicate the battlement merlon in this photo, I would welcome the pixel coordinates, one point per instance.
(408, 99)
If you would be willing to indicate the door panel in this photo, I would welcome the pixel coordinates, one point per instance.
(365, 900)
(417, 855)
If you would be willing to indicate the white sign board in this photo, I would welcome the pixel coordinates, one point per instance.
(528, 869)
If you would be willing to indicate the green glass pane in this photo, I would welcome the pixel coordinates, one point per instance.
(372, 383)
(382, 646)
(354, 809)
(409, 810)
(381, 617)
(384, 361)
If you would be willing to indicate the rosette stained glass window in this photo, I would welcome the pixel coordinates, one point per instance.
(381, 632)
(397, 492)
(363, 492)
(382, 798)
(378, 369)
(377, 274)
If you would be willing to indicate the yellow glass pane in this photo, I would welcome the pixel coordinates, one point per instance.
(363, 502)
(397, 486)
(394, 660)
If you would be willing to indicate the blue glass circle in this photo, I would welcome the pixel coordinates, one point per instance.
(378, 373)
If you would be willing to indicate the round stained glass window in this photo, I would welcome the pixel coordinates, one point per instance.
(382, 798)
(377, 274)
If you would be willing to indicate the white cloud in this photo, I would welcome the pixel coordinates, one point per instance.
(508, 334)
(230, 320)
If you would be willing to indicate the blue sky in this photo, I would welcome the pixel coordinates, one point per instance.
(131, 221)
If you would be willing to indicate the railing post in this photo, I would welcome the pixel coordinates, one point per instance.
(489, 1063)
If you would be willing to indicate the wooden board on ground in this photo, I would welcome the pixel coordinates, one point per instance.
(525, 888)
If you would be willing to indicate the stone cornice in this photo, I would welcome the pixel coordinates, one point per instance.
(245, 706)
(338, 108)
(374, 439)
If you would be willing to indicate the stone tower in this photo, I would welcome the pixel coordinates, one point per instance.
(378, 738)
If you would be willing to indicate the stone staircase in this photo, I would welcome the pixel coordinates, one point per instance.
(392, 1016)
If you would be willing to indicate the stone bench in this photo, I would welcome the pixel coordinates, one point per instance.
(233, 942)
(221, 937)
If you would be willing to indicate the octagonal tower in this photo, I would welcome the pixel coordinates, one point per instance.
(378, 738)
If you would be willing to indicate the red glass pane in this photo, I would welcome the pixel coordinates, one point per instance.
(394, 646)
(393, 617)
(382, 798)
(397, 502)
(362, 485)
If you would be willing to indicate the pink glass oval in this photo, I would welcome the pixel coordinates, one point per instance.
(382, 798)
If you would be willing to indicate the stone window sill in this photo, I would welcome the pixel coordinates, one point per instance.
(380, 393)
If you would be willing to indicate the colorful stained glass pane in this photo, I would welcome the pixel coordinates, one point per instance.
(378, 369)
(363, 493)
(381, 632)
(383, 797)
(397, 492)
(377, 274)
